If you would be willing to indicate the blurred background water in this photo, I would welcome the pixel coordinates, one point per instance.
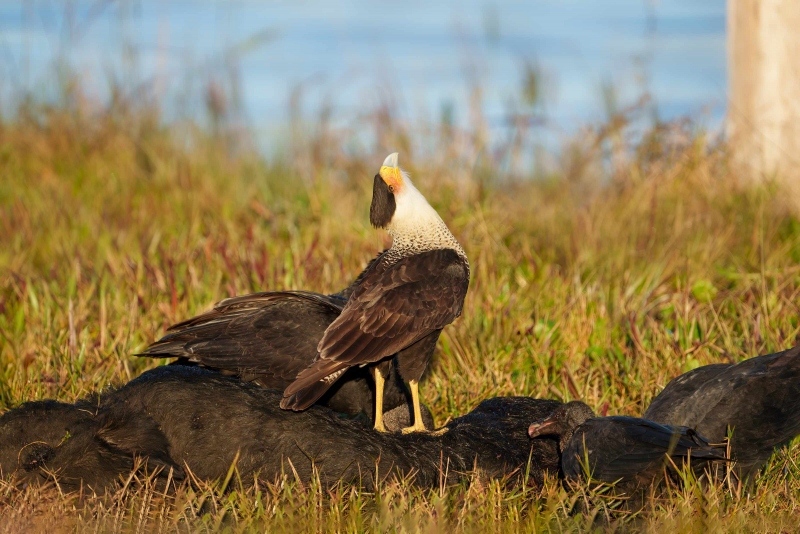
(556, 64)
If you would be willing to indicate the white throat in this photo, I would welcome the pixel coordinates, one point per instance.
(416, 227)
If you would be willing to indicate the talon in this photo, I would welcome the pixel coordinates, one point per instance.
(422, 430)
(411, 430)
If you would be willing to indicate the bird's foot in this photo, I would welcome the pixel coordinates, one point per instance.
(380, 427)
(422, 430)
(414, 428)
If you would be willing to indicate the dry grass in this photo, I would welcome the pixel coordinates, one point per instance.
(586, 284)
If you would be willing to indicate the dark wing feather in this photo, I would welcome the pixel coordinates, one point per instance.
(626, 448)
(669, 406)
(417, 295)
(395, 306)
(254, 301)
(274, 334)
(758, 398)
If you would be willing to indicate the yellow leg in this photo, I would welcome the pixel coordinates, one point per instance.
(378, 400)
(418, 425)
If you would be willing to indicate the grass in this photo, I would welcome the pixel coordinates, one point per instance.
(587, 283)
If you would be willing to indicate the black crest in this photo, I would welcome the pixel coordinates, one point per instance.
(383, 205)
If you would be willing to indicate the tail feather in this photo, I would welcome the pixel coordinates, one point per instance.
(311, 384)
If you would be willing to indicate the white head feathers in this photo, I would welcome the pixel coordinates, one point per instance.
(414, 225)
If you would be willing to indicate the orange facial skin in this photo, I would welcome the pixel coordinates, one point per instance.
(391, 176)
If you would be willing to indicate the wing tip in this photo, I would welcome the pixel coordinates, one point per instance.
(291, 402)
(303, 398)
(310, 385)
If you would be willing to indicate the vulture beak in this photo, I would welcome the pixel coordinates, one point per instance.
(541, 428)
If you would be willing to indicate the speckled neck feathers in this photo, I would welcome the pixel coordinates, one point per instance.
(415, 240)
(415, 227)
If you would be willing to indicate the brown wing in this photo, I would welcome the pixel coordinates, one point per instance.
(395, 306)
(274, 334)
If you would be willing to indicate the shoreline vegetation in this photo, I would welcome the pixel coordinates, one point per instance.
(599, 278)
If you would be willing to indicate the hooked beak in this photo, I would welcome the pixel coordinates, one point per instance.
(541, 428)
(390, 173)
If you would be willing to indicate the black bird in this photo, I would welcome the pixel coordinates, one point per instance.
(401, 303)
(206, 420)
(630, 451)
(49, 440)
(758, 400)
(270, 337)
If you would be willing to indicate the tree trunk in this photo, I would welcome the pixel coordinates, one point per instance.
(764, 81)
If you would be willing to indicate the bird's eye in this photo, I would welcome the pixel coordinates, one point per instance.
(391, 189)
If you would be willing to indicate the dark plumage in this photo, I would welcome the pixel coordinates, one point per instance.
(48, 440)
(759, 399)
(204, 419)
(396, 306)
(269, 338)
(401, 302)
(268, 334)
(383, 203)
(627, 450)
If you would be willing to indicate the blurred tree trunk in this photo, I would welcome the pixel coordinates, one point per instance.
(764, 81)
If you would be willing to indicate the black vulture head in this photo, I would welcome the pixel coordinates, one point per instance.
(562, 422)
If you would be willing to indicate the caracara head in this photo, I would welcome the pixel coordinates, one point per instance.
(563, 422)
(388, 183)
(395, 201)
(399, 208)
